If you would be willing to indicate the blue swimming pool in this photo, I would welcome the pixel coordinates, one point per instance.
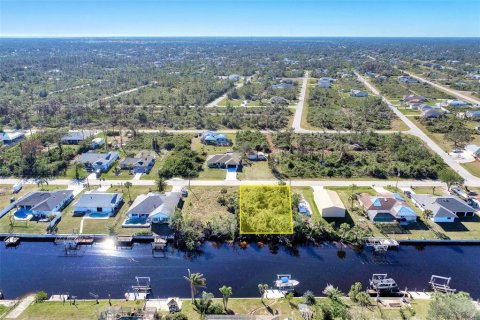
(136, 220)
(22, 214)
(98, 215)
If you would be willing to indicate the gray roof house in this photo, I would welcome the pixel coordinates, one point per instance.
(42, 203)
(224, 161)
(98, 161)
(11, 136)
(358, 93)
(138, 164)
(444, 208)
(99, 205)
(77, 136)
(152, 208)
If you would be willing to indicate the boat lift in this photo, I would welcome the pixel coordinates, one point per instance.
(373, 242)
(441, 284)
(140, 291)
(159, 245)
(285, 282)
(381, 283)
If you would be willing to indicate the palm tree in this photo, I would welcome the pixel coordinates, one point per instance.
(196, 281)
(161, 184)
(226, 294)
(78, 166)
(261, 289)
(127, 186)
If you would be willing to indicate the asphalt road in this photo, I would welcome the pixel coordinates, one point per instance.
(470, 179)
(446, 89)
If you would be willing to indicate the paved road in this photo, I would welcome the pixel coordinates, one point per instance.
(215, 102)
(181, 182)
(297, 118)
(18, 310)
(446, 89)
(470, 180)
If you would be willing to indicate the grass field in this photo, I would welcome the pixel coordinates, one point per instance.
(473, 167)
(202, 203)
(212, 174)
(255, 170)
(89, 310)
(208, 149)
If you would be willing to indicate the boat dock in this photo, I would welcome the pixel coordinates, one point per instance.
(381, 242)
(124, 241)
(441, 284)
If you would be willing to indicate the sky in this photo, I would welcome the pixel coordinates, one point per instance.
(307, 18)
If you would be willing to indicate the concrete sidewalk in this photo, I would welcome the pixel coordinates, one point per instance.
(18, 310)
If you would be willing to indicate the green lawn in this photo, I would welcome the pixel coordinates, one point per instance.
(153, 174)
(122, 174)
(473, 167)
(89, 310)
(83, 310)
(307, 193)
(208, 149)
(212, 174)
(255, 170)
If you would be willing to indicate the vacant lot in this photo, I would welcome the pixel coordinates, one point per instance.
(265, 210)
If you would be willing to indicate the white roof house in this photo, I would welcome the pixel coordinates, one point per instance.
(328, 203)
(473, 149)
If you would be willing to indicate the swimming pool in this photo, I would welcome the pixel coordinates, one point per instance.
(22, 214)
(98, 215)
(135, 222)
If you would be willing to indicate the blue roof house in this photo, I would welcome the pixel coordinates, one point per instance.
(216, 139)
(152, 208)
(98, 205)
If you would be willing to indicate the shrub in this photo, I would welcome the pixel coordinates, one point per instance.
(176, 316)
(41, 296)
(309, 298)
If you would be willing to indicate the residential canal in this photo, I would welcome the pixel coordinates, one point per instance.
(102, 269)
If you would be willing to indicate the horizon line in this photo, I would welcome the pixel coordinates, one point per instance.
(222, 36)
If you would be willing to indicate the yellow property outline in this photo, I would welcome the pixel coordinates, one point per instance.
(268, 186)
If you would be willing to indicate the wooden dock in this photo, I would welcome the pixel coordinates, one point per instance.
(124, 241)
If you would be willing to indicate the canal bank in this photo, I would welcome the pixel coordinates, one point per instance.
(106, 270)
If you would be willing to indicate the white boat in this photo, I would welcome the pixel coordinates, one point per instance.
(285, 282)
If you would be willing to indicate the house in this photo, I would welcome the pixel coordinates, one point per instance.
(257, 156)
(443, 208)
(473, 149)
(431, 113)
(41, 204)
(152, 208)
(77, 136)
(325, 82)
(233, 77)
(328, 203)
(94, 161)
(414, 99)
(98, 143)
(96, 204)
(224, 161)
(407, 79)
(358, 93)
(138, 164)
(387, 208)
(473, 114)
(456, 103)
(216, 139)
(11, 137)
(282, 86)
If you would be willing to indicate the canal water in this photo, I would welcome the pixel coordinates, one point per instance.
(101, 269)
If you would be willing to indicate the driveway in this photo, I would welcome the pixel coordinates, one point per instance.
(231, 175)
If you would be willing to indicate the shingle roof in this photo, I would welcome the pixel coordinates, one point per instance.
(154, 203)
(44, 201)
(78, 135)
(92, 157)
(440, 206)
(98, 199)
(225, 158)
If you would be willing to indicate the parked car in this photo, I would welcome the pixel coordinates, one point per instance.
(408, 194)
